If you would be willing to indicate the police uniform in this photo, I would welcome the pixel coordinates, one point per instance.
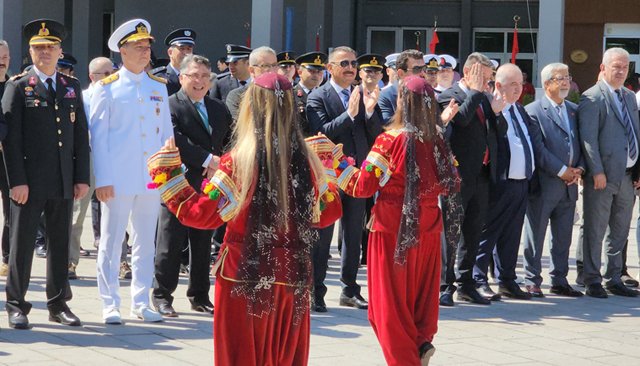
(311, 60)
(130, 120)
(224, 84)
(46, 149)
(67, 61)
(177, 38)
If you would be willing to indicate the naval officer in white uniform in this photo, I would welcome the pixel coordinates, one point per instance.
(130, 120)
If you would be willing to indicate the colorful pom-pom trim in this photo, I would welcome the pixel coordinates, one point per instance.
(215, 194)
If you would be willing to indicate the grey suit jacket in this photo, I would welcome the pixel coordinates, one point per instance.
(602, 131)
(233, 100)
(553, 149)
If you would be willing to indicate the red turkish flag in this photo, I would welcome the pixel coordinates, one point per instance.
(514, 47)
(434, 42)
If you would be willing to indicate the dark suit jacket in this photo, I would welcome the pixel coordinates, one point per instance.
(387, 101)
(301, 105)
(234, 98)
(222, 86)
(327, 114)
(553, 149)
(192, 139)
(173, 81)
(603, 131)
(503, 160)
(469, 138)
(47, 145)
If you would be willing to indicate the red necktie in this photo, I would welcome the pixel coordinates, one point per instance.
(483, 120)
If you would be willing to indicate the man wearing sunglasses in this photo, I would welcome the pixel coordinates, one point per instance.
(287, 65)
(350, 117)
(410, 62)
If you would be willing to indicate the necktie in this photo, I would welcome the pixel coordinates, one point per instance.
(568, 127)
(528, 169)
(52, 92)
(205, 120)
(344, 95)
(633, 149)
(483, 120)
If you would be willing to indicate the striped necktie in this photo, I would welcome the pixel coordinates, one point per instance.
(631, 140)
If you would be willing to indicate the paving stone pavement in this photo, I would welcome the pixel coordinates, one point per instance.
(549, 331)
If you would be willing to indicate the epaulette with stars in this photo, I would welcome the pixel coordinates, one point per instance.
(157, 78)
(69, 76)
(110, 79)
(14, 77)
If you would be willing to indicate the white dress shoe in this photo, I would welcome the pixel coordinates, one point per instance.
(146, 314)
(111, 316)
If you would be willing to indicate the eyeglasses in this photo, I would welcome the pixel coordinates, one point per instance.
(106, 73)
(416, 69)
(198, 76)
(432, 72)
(346, 63)
(562, 78)
(286, 66)
(266, 66)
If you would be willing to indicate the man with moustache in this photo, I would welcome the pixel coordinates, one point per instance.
(352, 118)
(310, 68)
(554, 188)
(47, 161)
(261, 60)
(181, 43)
(130, 120)
(201, 127)
(432, 66)
(515, 164)
(238, 61)
(287, 65)
(474, 144)
(608, 117)
(5, 59)
(370, 70)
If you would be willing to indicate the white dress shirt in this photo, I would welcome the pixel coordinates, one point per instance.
(43, 77)
(516, 147)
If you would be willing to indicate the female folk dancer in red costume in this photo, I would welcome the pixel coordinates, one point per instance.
(272, 190)
(409, 165)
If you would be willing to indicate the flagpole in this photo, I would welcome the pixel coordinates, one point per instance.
(514, 47)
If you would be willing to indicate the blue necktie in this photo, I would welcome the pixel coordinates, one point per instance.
(633, 149)
(203, 115)
(345, 94)
(528, 169)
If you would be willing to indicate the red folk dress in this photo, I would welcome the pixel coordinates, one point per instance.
(240, 338)
(403, 299)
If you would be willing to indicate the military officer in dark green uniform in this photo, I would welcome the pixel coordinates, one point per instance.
(47, 160)
(311, 69)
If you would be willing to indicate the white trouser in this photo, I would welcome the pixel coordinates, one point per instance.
(115, 217)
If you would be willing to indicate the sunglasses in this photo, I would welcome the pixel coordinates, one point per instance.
(345, 63)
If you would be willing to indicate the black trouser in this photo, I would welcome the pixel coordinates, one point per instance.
(351, 226)
(4, 192)
(24, 223)
(169, 238)
(475, 202)
(321, 249)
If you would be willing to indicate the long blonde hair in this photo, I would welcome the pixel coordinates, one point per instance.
(263, 117)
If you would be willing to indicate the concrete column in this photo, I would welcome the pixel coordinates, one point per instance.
(11, 31)
(343, 23)
(551, 30)
(266, 23)
(80, 41)
(466, 31)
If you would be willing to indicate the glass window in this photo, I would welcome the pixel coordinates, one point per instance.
(524, 42)
(632, 45)
(383, 42)
(449, 43)
(489, 42)
(412, 40)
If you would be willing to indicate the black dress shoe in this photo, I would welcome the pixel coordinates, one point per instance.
(202, 307)
(426, 351)
(596, 290)
(565, 290)
(18, 320)
(472, 295)
(534, 290)
(485, 291)
(355, 301)
(319, 306)
(166, 310)
(65, 317)
(512, 290)
(446, 299)
(41, 251)
(628, 280)
(621, 290)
